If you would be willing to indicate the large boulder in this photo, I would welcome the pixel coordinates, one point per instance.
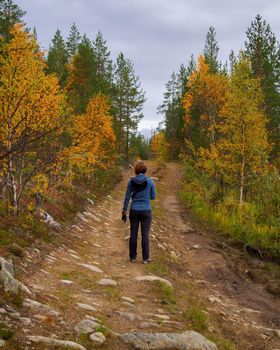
(188, 340)
(7, 276)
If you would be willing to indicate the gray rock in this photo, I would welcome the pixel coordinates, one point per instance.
(98, 337)
(150, 278)
(188, 340)
(91, 268)
(56, 342)
(107, 282)
(7, 276)
(68, 282)
(11, 284)
(86, 307)
(277, 332)
(86, 326)
(129, 316)
(49, 220)
(130, 300)
(148, 325)
(25, 321)
(2, 343)
(33, 304)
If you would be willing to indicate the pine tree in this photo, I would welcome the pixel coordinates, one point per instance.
(103, 68)
(128, 102)
(57, 58)
(10, 14)
(263, 51)
(73, 40)
(232, 61)
(80, 80)
(211, 50)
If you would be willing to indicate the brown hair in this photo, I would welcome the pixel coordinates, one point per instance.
(140, 167)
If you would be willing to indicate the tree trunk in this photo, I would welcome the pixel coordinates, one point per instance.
(242, 170)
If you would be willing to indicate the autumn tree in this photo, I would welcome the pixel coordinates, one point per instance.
(57, 58)
(242, 150)
(10, 14)
(203, 101)
(128, 100)
(159, 147)
(32, 108)
(263, 51)
(93, 138)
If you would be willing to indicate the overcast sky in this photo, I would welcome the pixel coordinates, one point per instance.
(158, 35)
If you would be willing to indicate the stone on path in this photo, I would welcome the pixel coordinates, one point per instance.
(188, 340)
(129, 316)
(107, 282)
(86, 326)
(56, 342)
(68, 282)
(91, 268)
(150, 278)
(2, 343)
(86, 307)
(37, 305)
(162, 317)
(148, 325)
(98, 337)
(130, 300)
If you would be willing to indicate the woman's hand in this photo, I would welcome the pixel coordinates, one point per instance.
(124, 217)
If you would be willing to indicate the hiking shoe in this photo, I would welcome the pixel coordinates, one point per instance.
(132, 260)
(147, 261)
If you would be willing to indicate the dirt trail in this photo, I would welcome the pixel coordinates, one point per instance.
(96, 251)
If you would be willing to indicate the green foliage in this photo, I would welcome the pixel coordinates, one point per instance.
(128, 99)
(10, 14)
(263, 51)
(5, 333)
(139, 147)
(211, 50)
(57, 58)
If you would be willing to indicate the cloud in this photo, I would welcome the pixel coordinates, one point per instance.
(157, 35)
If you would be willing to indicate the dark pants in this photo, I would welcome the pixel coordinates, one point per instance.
(144, 217)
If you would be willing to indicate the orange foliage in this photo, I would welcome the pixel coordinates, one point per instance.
(93, 138)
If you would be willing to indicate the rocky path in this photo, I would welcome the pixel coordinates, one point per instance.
(85, 293)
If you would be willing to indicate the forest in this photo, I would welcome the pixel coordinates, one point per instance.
(222, 120)
(69, 119)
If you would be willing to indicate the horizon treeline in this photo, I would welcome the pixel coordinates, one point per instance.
(223, 120)
(66, 116)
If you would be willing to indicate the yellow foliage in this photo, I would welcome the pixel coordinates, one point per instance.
(160, 147)
(206, 93)
(93, 138)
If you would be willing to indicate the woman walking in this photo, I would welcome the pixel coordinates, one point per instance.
(141, 190)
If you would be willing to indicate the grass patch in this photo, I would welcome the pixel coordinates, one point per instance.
(196, 317)
(5, 333)
(112, 293)
(158, 267)
(222, 344)
(166, 293)
(80, 277)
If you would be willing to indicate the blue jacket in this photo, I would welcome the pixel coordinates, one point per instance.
(141, 190)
